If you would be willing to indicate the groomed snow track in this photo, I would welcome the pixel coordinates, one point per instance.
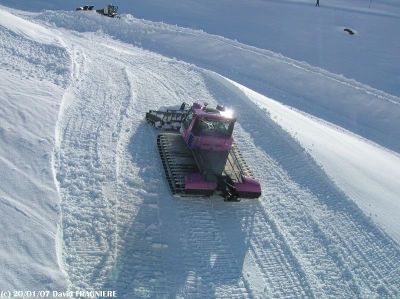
(122, 229)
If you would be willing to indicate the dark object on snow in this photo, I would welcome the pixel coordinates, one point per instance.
(109, 11)
(317, 4)
(349, 31)
(199, 155)
(85, 7)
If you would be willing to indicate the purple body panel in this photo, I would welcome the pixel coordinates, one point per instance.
(209, 145)
(196, 181)
(203, 141)
(248, 186)
(212, 143)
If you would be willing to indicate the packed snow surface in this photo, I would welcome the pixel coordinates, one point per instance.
(85, 205)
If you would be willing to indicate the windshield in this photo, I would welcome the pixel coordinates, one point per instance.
(214, 127)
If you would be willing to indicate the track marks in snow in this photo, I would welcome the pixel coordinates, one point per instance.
(264, 252)
(282, 274)
(212, 270)
(85, 169)
(123, 230)
(146, 256)
(339, 250)
(108, 180)
(202, 252)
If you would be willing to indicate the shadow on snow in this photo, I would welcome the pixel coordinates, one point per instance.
(174, 246)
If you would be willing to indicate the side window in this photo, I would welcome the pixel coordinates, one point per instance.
(188, 120)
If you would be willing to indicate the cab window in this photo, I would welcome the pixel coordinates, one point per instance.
(188, 120)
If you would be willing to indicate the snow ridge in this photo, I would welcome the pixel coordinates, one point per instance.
(33, 73)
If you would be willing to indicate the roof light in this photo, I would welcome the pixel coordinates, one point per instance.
(227, 113)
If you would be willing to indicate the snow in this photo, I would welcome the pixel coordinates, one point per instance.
(31, 93)
(84, 202)
(25, 29)
(274, 25)
(368, 173)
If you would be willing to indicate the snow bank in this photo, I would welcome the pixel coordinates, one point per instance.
(367, 173)
(26, 29)
(33, 74)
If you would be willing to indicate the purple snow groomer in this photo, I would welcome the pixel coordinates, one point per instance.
(199, 155)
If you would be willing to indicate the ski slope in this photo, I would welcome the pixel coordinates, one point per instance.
(87, 207)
